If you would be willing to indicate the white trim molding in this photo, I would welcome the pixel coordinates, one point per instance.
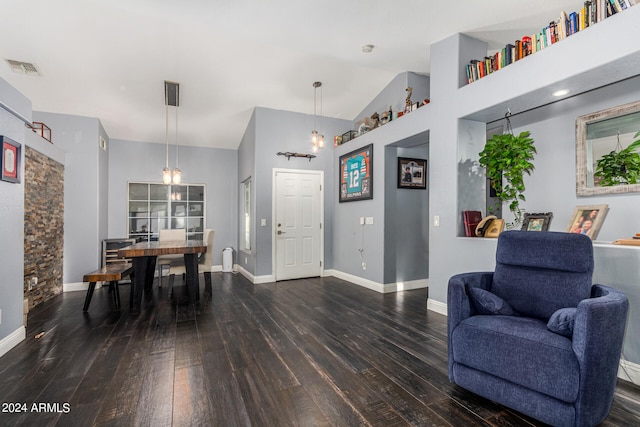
(256, 280)
(78, 286)
(437, 306)
(12, 340)
(629, 371)
(375, 286)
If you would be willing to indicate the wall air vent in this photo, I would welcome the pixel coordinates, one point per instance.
(23, 67)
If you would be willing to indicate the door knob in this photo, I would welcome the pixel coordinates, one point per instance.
(281, 232)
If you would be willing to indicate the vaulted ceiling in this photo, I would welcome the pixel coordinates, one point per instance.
(109, 58)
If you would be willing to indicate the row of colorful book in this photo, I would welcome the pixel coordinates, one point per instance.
(591, 13)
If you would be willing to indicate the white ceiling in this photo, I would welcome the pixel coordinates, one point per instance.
(109, 58)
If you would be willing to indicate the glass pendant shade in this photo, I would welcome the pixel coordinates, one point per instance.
(166, 176)
(177, 176)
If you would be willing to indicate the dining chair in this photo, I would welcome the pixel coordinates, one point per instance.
(170, 234)
(204, 262)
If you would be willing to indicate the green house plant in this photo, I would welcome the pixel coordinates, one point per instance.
(621, 166)
(507, 158)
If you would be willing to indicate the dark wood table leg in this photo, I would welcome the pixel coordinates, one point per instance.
(116, 294)
(140, 279)
(148, 282)
(192, 282)
(131, 279)
(87, 299)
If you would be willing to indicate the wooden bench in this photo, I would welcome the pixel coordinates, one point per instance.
(111, 273)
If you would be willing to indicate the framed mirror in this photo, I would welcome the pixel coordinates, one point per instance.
(600, 137)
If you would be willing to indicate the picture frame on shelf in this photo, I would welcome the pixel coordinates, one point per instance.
(536, 221)
(10, 160)
(356, 175)
(412, 173)
(587, 220)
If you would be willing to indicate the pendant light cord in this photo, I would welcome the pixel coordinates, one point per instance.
(176, 137)
(166, 132)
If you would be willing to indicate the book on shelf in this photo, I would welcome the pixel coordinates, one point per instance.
(592, 12)
(471, 219)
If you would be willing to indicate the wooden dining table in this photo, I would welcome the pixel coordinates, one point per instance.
(143, 257)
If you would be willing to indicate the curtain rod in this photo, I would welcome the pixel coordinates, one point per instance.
(16, 114)
(560, 100)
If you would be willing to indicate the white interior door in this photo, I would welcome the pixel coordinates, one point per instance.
(298, 224)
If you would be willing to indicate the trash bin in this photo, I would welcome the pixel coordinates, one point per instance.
(227, 260)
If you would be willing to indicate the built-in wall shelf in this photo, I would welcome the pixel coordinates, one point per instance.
(530, 82)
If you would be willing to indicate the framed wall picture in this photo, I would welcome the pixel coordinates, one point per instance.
(10, 160)
(588, 220)
(536, 221)
(356, 175)
(412, 173)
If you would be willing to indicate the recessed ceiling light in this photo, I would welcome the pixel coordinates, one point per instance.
(560, 92)
(367, 48)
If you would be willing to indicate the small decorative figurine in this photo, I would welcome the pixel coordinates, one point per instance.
(407, 102)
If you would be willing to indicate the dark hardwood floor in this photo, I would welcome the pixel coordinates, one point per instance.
(313, 352)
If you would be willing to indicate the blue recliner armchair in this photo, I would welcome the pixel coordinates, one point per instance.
(536, 335)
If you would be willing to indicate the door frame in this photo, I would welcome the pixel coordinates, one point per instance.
(274, 192)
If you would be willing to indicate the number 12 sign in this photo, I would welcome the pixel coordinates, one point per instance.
(356, 175)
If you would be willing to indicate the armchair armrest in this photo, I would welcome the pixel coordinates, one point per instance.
(597, 342)
(458, 305)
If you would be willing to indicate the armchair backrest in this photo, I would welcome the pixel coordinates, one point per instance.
(538, 273)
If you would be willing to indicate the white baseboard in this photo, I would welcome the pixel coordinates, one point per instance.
(256, 280)
(78, 286)
(437, 306)
(375, 286)
(629, 371)
(12, 340)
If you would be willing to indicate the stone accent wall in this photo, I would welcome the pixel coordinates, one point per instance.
(43, 227)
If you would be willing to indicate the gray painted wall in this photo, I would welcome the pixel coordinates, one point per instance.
(85, 177)
(281, 131)
(406, 228)
(394, 94)
(143, 162)
(379, 253)
(247, 169)
(12, 211)
(552, 186)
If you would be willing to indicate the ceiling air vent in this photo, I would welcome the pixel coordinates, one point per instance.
(23, 67)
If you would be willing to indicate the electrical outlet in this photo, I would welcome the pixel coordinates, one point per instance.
(33, 282)
(263, 222)
(368, 220)
(364, 265)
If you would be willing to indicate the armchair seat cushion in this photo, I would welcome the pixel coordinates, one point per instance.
(504, 346)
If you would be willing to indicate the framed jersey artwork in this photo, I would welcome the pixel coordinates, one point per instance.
(356, 175)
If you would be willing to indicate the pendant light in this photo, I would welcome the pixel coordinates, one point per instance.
(171, 97)
(177, 174)
(166, 172)
(317, 139)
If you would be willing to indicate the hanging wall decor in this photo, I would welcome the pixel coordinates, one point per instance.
(10, 160)
(356, 175)
(412, 173)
